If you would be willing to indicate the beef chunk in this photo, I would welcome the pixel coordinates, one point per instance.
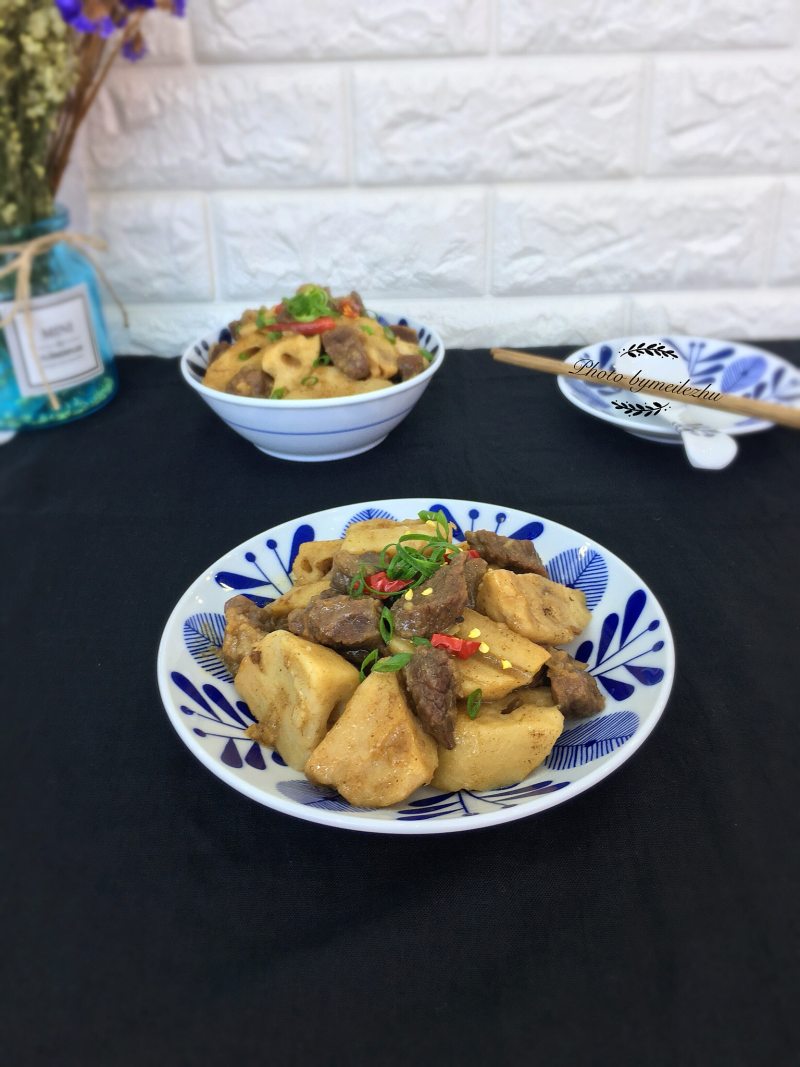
(410, 365)
(346, 566)
(245, 624)
(425, 615)
(474, 570)
(406, 333)
(431, 684)
(250, 381)
(574, 690)
(347, 348)
(354, 299)
(338, 622)
(506, 552)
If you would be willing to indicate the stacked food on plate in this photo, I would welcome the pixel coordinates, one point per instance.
(400, 658)
(312, 346)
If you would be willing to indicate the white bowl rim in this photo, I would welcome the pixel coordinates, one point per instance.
(323, 402)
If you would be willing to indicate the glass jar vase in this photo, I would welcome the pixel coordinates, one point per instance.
(69, 333)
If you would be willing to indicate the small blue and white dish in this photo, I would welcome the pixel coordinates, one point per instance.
(314, 430)
(628, 646)
(723, 366)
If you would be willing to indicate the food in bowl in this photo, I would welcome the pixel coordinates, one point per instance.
(400, 658)
(313, 346)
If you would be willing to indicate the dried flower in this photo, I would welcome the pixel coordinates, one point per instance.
(54, 56)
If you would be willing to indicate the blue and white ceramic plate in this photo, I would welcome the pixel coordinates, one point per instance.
(628, 646)
(723, 366)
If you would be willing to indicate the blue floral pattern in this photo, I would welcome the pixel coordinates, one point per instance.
(723, 365)
(224, 715)
(627, 648)
(203, 634)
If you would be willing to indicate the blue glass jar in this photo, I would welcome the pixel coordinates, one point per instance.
(71, 354)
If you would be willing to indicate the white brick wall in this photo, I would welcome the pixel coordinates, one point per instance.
(513, 172)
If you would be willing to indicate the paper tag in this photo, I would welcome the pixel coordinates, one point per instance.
(64, 340)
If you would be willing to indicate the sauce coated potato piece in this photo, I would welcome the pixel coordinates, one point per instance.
(377, 754)
(294, 687)
(297, 597)
(485, 673)
(381, 353)
(504, 642)
(541, 610)
(373, 534)
(494, 749)
(313, 561)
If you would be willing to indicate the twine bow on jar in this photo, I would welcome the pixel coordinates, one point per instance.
(23, 255)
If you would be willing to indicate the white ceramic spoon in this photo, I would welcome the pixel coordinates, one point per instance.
(702, 431)
(706, 448)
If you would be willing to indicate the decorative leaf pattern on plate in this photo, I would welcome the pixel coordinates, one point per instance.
(224, 715)
(581, 568)
(365, 515)
(276, 584)
(604, 665)
(469, 802)
(591, 739)
(314, 796)
(203, 634)
(742, 373)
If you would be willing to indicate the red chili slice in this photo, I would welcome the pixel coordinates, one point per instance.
(459, 646)
(307, 329)
(381, 583)
(473, 553)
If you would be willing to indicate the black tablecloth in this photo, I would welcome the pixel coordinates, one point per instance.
(156, 916)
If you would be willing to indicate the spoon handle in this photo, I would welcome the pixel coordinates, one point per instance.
(708, 451)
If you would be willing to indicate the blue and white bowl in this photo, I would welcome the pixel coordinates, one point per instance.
(628, 646)
(313, 430)
(724, 366)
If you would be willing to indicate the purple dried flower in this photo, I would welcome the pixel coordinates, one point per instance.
(135, 48)
(72, 12)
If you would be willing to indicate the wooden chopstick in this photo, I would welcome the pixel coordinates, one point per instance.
(736, 405)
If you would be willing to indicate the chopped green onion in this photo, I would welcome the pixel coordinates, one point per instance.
(245, 355)
(356, 585)
(263, 319)
(368, 329)
(322, 360)
(440, 519)
(386, 625)
(392, 663)
(426, 354)
(310, 379)
(277, 394)
(370, 659)
(309, 304)
(274, 335)
(420, 641)
(387, 333)
(474, 703)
